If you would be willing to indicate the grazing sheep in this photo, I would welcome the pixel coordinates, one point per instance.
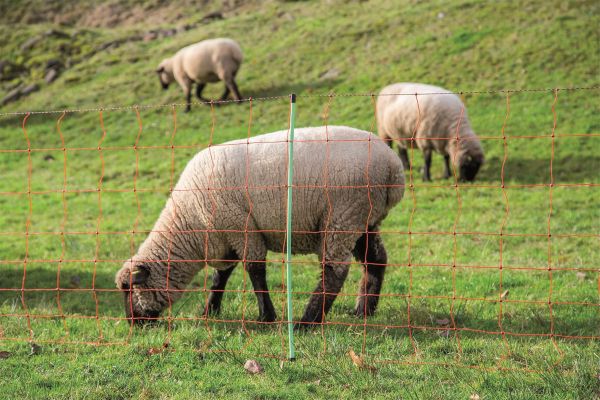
(230, 205)
(207, 61)
(434, 125)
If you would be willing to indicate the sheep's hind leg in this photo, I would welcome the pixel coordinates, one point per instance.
(220, 278)
(258, 275)
(370, 251)
(225, 94)
(188, 100)
(231, 85)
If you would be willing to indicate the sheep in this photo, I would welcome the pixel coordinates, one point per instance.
(229, 205)
(204, 62)
(434, 123)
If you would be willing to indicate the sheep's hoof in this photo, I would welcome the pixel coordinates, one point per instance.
(267, 318)
(305, 326)
(360, 312)
(210, 311)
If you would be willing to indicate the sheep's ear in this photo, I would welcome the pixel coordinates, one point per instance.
(160, 69)
(139, 275)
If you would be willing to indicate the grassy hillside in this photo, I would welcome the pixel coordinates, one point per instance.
(312, 49)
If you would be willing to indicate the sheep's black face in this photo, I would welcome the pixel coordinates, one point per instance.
(165, 85)
(163, 77)
(469, 168)
(137, 295)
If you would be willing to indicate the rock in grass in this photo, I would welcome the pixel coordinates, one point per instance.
(253, 367)
(35, 349)
(12, 95)
(34, 87)
(51, 75)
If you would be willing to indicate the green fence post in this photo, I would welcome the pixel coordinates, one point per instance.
(288, 238)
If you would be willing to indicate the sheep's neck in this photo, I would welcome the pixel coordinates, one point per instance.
(173, 239)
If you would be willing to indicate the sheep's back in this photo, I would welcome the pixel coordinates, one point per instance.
(203, 61)
(341, 182)
(431, 114)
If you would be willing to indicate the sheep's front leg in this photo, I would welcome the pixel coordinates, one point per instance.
(258, 276)
(330, 284)
(403, 153)
(447, 173)
(220, 278)
(199, 89)
(427, 166)
(370, 251)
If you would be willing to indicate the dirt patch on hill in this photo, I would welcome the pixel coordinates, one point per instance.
(112, 13)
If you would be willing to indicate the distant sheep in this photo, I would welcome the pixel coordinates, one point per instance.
(207, 61)
(243, 215)
(434, 124)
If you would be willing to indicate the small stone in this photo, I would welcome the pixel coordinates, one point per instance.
(30, 43)
(253, 367)
(34, 87)
(149, 36)
(35, 349)
(212, 16)
(12, 95)
(330, 74)
(51, 75)
(441, 15)
(56, 33)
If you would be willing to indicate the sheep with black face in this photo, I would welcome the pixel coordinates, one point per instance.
(230, 205)
(207, 61)
(434, 119)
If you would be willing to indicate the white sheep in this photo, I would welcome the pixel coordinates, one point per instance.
(207, 61)
(434, 118)
(230, 205)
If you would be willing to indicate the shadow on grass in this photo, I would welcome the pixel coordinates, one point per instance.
(537, 171)
(297, 88)
(76, 297)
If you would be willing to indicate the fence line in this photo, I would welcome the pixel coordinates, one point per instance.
(452, 329)
(285, 96)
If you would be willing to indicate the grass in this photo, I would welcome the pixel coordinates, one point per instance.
(474, 46)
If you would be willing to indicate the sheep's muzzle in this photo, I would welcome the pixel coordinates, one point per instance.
(469, 169)
(135, 315)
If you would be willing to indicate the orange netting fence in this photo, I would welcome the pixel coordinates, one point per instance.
(511, 255)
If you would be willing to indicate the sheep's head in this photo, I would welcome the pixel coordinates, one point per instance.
(165, 73)
(143, 299)
(466, 155)
(469, 164)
